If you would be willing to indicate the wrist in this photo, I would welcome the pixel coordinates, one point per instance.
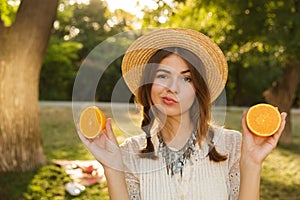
(112, 170)
(250, 166)
(113, 175)
(116, 165)
(248, 161)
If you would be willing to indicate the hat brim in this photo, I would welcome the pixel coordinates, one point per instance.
(142, 49)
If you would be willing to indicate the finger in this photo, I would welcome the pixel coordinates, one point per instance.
(81, 136)
(244, 113)
(111, 146)
(244, 125)
(282, 125)
(283, 121)
(84, 140)
(109, 131)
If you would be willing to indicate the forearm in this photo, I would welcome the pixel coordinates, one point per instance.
(116, 184)
(250, 180)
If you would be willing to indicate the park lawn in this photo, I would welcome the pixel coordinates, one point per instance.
(280, 175)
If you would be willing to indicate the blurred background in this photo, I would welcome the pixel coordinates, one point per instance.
(43, 44)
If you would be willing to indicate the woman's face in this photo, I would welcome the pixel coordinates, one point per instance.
(172, 91)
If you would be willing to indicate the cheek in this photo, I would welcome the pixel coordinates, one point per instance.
(156, 88)
(155, 91)
(188, 90)
(188, 95)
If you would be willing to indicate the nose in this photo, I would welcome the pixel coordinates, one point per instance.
(173, 86)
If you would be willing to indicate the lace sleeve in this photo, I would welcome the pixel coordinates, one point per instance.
(129, 150)
(133, 186)
(234, 181)
(234, 145)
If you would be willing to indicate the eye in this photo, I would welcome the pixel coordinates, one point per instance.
(187, 79)
(161, 76)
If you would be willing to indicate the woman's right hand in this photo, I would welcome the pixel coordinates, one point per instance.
(105, 147)
(256, 148)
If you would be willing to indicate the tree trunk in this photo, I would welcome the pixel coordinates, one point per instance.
(22, 49)
(282, 95)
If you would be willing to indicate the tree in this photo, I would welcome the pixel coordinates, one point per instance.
(23, 46)
(272, 27)
(256, 36)
(284, 29)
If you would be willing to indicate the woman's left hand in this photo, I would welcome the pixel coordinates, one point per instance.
(256, 148)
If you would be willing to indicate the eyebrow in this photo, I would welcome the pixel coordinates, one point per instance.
(167, 71)
(185, 71)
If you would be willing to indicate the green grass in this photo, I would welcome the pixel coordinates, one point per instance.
(59, 134)
(280, 176)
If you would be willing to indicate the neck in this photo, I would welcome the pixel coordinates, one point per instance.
(177, 131)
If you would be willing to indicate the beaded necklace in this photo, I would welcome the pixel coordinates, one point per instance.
(175, 160)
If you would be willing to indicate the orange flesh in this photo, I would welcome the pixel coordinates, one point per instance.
(92, 122)
(263, 119)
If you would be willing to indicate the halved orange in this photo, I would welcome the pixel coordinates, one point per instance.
(92, 122)
(263, 119)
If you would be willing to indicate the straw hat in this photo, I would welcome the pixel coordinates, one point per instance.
(141, 50)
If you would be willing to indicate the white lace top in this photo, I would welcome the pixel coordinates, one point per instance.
(147, 179)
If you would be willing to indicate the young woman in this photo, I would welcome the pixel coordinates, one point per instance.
(175, 75)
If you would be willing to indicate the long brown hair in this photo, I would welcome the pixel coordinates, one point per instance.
(200, 111)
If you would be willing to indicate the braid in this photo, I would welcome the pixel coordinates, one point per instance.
(213, 154)
(148, 150)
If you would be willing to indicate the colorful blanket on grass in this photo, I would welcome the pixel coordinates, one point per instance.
(85, 172)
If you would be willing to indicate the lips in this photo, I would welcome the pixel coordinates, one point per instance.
(169, 100)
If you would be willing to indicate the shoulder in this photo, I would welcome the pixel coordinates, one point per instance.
(227, 139)
(130, 153)
(232, 135)
(227, 134)
(134, 143)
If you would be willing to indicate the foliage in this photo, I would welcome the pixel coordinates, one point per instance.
(78, 30)
(121, 20)
(154, 18)
(8, 11)
(48, 183)
(256, 37)
(108, 81)
(58, 71)
(87, 25)
(13, 185)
